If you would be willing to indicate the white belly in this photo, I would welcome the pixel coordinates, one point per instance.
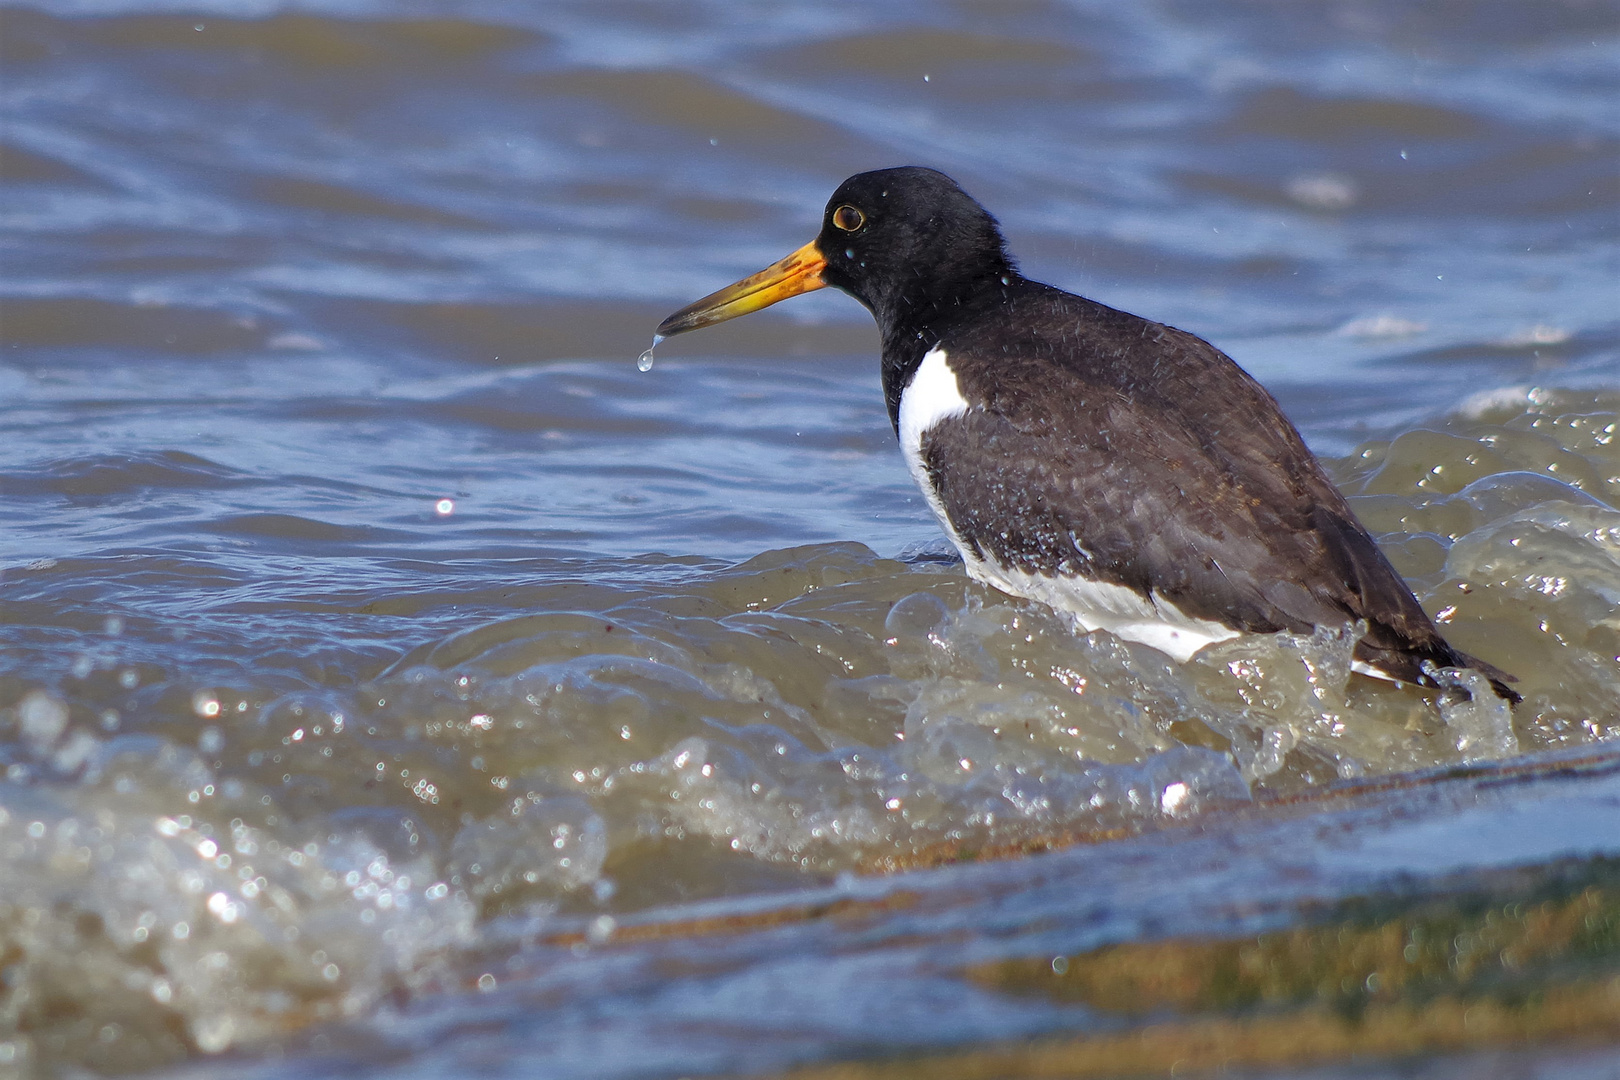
(934, 395)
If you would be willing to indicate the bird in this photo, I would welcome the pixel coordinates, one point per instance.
(1126, 473)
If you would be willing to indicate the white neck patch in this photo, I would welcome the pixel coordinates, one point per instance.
(932, 395)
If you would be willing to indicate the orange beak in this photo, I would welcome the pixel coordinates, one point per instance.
(799, 273)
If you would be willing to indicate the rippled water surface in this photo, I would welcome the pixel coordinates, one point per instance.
(395, 678)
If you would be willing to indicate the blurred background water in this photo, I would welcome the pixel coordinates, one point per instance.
(379, 647)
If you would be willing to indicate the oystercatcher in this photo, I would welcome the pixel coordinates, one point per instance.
(1124, 472)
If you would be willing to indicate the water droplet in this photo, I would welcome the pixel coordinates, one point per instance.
(644, 362)
(444, 507)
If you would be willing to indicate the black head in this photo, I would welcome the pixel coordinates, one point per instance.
(908, 240)
(908, 243)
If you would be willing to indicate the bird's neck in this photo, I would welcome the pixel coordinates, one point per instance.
(911, 325)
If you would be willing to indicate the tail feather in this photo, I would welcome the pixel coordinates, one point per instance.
(1400, 636)
(1406, 665)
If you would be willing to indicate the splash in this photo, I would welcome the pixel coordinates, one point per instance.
(169, 834)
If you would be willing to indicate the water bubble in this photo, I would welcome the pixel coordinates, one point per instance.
(42, 718)
(915, 618)
(486, 982)
(444, 507)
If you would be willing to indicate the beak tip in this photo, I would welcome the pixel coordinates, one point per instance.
(680, 322)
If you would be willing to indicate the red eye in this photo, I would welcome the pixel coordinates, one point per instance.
(848, 218)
